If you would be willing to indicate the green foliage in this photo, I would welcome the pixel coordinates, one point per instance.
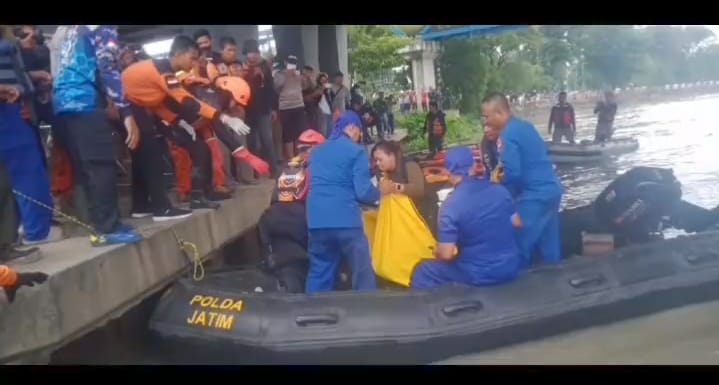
(373, 48)
(460, 129)
(579, 57)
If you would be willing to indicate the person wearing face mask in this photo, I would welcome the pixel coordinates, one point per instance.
(288, 84)
(325, 110)
(475, 220)
(340, 181)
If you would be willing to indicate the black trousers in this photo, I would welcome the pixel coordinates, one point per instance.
(92, 146)
(435, 143)
(8, 211)
(149, 194)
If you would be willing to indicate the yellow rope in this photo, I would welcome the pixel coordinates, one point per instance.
(198, 269)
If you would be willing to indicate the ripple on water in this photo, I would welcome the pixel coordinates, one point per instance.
(678, 135)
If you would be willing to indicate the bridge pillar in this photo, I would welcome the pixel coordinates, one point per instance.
(422, 54)
(324, 47)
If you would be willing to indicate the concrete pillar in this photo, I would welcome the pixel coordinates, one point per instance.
(422, 55)
(310, 43)
(288, 40)
(327, 41)
(342, 53)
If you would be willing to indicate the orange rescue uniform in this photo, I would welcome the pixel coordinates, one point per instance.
(8, 277)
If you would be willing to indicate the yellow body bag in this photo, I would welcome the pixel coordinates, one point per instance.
(398, 237)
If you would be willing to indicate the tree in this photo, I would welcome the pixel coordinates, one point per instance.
(373, 48)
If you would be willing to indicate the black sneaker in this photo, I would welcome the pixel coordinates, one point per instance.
(141, 214)
(171, 214)
(201, 203)
(9, 253)
(218, 196)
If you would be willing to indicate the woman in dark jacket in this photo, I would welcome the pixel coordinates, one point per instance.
(406, 176)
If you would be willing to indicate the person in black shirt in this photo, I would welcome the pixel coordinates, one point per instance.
(606, 111)
(563, 121)
(635, 208)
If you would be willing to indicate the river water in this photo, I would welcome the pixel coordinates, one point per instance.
(681, 135)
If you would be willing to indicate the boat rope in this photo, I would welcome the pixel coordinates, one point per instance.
(93, 233)
(198, 268)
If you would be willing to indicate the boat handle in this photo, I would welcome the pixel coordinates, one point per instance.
(593, 280)
(317, 319)
(454, 309)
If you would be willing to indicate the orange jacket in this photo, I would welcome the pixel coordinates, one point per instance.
(8, 277)
(152, 84)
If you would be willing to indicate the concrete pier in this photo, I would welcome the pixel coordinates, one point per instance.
(89, 286)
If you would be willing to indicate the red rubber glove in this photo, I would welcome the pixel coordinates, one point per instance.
(256, 163)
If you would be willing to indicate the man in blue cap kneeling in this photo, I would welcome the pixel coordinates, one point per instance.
(476, 221)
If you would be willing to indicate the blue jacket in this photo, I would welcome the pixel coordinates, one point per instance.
(528, 171)
(89, 62)
(339, 182)
(477, 218)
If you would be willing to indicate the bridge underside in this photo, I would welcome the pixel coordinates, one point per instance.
(323, 47)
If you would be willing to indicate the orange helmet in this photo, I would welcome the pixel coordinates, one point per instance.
(237, 86)
(311, 137)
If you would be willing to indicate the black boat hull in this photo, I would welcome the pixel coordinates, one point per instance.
(410, 327)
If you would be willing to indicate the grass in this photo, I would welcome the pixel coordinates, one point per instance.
(460, 130)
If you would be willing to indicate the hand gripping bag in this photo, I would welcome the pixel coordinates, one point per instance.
(399, 238)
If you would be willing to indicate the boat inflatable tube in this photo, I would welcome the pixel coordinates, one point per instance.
(217, 321)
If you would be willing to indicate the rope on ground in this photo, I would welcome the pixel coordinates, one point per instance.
(198, 269)
(75, 220)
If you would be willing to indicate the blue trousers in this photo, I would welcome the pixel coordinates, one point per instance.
(328, 247)
(435, 273)
(20, 151)
(539, 231)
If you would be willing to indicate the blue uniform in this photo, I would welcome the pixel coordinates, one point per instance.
(20, 148)
(87, 52)
(530, 177)
(477, 218)
(339, 181)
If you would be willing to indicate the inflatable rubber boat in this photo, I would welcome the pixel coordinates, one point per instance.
(588, 152)
(240, 316)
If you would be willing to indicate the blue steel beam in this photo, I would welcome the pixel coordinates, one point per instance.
(398, 31)
(469, 30)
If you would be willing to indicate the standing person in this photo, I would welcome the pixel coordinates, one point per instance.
(476, 205)
(563, 120)
(404, 104)
(207, 54)
(262, 108)
(413, 100)
(311, 93)
(425, 100)
(435, 126)
(339, 183)
(391, 102)
(380, 109)
(20, 148)
(325, 110)
(605, 110)
(288, 84)
(528, 174)
(341, 96)
(90, 57)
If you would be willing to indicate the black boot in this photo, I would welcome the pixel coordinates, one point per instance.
(8, 253)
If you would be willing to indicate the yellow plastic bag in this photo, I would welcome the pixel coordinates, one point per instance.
(398, 237)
